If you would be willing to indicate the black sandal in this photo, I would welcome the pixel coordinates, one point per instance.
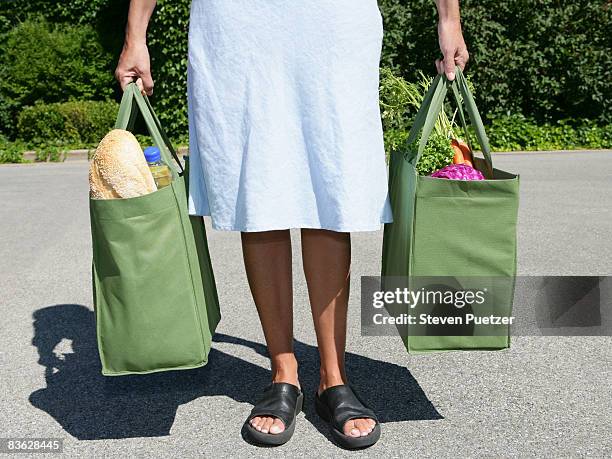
(280, 400)
(339, 404)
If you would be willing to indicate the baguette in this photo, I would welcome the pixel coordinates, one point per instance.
(118, 168)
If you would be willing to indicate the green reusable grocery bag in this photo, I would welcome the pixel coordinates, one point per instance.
(453, 228)
(155, 298)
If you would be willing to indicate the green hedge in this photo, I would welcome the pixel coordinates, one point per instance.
(545, 59)
(517, 133)
(50, 63)
(80, 123)
(49, 128)
(11, 152)
(167, 43)
(400, 101)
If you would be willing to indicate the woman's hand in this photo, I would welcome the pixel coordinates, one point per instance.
(135, 64)
(453, 48)
(450, 36)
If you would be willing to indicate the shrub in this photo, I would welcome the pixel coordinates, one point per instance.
(167, 40)
(73, 12)
(400, 101)
(512, 133)
(79, 123)
(48, 63)
(11, 152)
(517, 133)
(168, 44)
(546, 59)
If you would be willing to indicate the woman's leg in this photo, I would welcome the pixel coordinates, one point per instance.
(327, 264)
(267, 259)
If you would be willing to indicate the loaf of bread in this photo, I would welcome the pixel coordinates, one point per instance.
(118, 168)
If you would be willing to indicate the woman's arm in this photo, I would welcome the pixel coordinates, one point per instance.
(452, 45)
(134, 62)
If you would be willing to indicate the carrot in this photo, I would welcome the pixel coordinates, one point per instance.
(465, 150)
(458, 158)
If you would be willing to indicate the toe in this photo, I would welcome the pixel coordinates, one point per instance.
(260, 422)
(363, 426)
(267, 424)
(255, 421)
(277, 426)
(351, 429)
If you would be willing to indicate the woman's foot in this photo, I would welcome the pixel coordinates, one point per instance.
(349, 418)
(279, 402)
(358, 427)
(285, 372)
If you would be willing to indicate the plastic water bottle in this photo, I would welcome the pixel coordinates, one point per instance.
(161, 172)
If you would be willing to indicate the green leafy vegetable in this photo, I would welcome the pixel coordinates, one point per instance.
(438, 154)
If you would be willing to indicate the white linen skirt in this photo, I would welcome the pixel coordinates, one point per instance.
(284, 118)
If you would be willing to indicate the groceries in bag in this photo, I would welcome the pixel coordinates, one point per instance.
(118, 168)
(458, 172)
(420, 247)
(442, 154)
(160, 171)
(462, 167)
(463, 153)
(155, 300)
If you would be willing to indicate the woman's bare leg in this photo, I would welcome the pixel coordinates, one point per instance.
(327, 264)
(267, 259)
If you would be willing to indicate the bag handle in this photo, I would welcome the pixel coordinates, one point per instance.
(128, 110)
(431, 107)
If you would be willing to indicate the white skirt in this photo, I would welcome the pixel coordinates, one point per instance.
(284, 118)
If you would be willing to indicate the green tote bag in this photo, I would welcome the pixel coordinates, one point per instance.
(456, 229)
(155, 298)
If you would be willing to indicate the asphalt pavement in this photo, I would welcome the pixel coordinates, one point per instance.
(546, 396)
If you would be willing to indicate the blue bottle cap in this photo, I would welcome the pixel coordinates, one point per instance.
(152, 154)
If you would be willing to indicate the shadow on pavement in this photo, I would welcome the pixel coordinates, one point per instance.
(90, 406)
